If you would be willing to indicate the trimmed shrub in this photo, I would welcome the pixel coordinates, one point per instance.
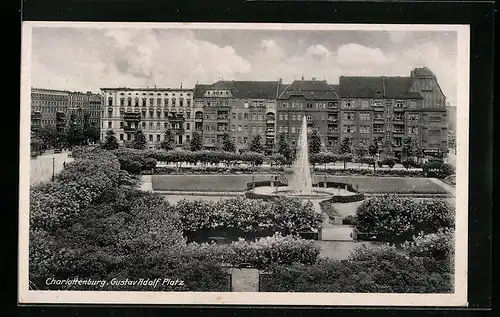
(439, 245)
(288, 216)
(369, 270)
(398, 219)
(261, 254)
(350, 220)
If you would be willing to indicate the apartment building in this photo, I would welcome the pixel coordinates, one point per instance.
(151, 110)
(243, 109)
(314, 99)
(59, 108)
(389, 109)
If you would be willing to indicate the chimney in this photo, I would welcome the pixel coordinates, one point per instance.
(314, 78)
(302, 78)
(181, 85)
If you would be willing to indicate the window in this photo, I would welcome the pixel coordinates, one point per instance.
(309, 117)
(434, 132)
(378, 103)
(378, 128)
(309, 105)
(365, 103)
(435, 118)
(413, 104)
(261, 117)
(254, 128)
(173, 102)
(413, 116)
(260, 128)
(246, 127)
(412, 130)
(121, 136)
(181, 102)
(234, 115)
(299, 117)
(110, 101)
(158, 102)
(284, 105)
(245, 140)
(151, 126)
(294, 117)
(348, 128)
(128, 137)
(245, 104)
(348, 115)
(239, 128)
(364, 129)
(293, 129)
(378, 115)
(233, 127)
(158, 125)
(151, 102)
(348, 103)
(188, 126)
(398, 141)
(281, 116)
(399, 104)
(364, 116)
(109, 125)
(121, 124)
(150, 138)
(399, 116)
(188, 103)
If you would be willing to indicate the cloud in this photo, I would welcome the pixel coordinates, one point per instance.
(354, 55)
(88, 59)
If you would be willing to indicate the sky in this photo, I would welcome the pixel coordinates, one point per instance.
(87, 59)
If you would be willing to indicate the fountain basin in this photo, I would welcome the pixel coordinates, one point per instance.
(333, 191)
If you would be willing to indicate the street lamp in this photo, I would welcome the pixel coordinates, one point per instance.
(53, 167)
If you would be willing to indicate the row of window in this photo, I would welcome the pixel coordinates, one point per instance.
(151, 114)
(239, 128)
(144, 102)
(151, 126)
(309, 105)
(152, 94)
(237, 116)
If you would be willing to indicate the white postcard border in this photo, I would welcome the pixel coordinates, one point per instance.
(458, 298)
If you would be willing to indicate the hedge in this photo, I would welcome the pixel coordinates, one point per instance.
(286, 215)
(369, 270)
(398, 219)
(261, 254)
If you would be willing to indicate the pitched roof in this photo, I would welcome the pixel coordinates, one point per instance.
(242, 89)
(422, 71)
(376, 87)
(310, 90)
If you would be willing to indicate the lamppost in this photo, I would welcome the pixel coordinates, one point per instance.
(53, 167)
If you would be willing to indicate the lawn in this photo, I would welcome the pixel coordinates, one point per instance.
(237, 183)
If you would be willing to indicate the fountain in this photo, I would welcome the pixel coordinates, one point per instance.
(301, 184)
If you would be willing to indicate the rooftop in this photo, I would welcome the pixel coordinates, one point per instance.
(376, 87)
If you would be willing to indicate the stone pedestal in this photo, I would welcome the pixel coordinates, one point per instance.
(245, 280)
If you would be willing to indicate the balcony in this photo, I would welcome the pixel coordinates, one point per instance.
(399, 119)
(332, 131)
(378, 119)
(36, 115)
(332, 120)
(398, 132)
(270, 131)
(198, 119)
(222, 118)
(129, 129)
(399, 109)
(270, 120)
(132, 116)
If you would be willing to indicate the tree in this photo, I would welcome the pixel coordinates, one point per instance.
(314, 142)
(140, 140)
(373, 151)
(345, 149)
(284, 147)
(416, 149)
(406, 150)
(49, 136)
(227, 143)
(91, 134)
(75, 135)
(360, 150)
(256, 144)
(196, 142)
(110, 143)
(168, 142)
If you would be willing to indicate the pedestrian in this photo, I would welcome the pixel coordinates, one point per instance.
(354, 234)
(64, 164)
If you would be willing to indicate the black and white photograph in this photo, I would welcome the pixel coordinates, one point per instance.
(252, 164)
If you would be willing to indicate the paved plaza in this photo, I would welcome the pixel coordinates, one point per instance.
(41, 167)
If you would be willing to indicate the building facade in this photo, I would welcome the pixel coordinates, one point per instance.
(388, 109)
(60, 108)
(49, 108)
(318, 102)
(242, 109)
(151, 110)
